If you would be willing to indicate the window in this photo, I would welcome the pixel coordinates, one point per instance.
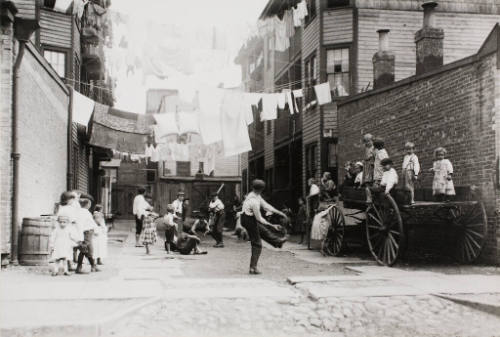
(337, 3)
(311, 11)
(311, 160)
(183, 168)
(337, 68)
(311, 79)
(57, 60)
(49, 3)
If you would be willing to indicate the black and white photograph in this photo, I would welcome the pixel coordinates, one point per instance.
(250, 168)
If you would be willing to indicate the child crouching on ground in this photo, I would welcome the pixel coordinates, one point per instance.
(388, 182)
(187, 244)
(149, 233)
(62, 241)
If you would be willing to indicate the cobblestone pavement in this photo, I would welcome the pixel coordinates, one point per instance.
(301, 315)
(375, 316)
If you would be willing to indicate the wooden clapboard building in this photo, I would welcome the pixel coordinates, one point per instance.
(336, 43)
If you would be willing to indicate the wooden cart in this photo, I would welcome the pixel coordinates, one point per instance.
(386, 222)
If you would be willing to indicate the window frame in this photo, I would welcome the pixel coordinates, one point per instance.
(310, 64)
(63, 51)
(331, 5)
(340, 46)
(312, 12)
(310, 152)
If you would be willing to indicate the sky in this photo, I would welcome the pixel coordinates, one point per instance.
(177, 34)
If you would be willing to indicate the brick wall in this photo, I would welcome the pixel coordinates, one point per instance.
(6, 62)
(43, 118)
(455, 108)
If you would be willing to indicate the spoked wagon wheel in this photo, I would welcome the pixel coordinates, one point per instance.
(471, 226)
(334, 240)
(384, 230)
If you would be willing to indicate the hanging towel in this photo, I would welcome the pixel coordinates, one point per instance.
(290, 101)
(269, 105)
(281, 100)
(166, 124)
(82, 108)
(62, 5)
(149, 151)
(297, 18)
(250, 100)
(188, 122)
(155, 154)
(323, 93)
(181, 152)
(235, 137)
(210, 115)
(282, 41)
(298, 93)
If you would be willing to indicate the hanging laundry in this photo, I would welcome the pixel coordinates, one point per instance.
(149, 150)
(281, 100)
(288, 19)
(298, 93)
(62, 5)
(269, 106)
(265, 27)
(210, 115)
(181, 152)
(82, 108)
(297, 18)
(79, 7)
(155, 154)
(302, 10)
(235, 137)
(250, 100)
(188, 122)
(323, 93)
(290, 101)
(164, 152)
(282, 41)
(166, 124)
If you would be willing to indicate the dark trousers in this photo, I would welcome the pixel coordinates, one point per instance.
(252, 227)
(218, 226)
(86, 249)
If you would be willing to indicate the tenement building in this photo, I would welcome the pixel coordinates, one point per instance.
(48, 49)
(453, 105)
(337, 42)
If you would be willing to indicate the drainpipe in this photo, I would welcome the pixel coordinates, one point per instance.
(69, 174)
(23, 29)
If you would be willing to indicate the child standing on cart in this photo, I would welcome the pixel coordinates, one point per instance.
(388, 182)
(442, 185)
(411, 169)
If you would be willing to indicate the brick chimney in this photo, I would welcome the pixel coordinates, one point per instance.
(383, 61)
(429, 41)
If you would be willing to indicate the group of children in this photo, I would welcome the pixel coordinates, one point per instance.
(376, 172)
(175, 239)
(77, 234)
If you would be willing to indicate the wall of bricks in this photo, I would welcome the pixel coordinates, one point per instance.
(43, 118)
(7, 49)
(455, 108)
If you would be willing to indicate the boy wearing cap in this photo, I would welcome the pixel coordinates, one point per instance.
(178, 205)
(217, 217)
(389, 180)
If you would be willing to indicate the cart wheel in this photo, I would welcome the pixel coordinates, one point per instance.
(334, 240)
(384, 230)
(471, 225)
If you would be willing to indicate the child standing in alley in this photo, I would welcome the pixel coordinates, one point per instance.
(149, 234)
(411, 169)
(170, 227)
(62, 240)
(89, 228)
(101, 240)
(442, 185)
(301, 219)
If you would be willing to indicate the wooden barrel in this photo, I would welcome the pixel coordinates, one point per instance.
(34, 247)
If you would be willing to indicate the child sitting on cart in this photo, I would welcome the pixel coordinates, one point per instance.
(389, 180)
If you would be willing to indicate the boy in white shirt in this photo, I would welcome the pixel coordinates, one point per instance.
(170, 228)
(388, 182)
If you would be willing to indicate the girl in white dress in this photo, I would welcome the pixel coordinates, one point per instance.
(442, 185)
(101, 240)
(62, 240)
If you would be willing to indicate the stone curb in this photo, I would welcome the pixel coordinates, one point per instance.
(93, 328)
(478, 305)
